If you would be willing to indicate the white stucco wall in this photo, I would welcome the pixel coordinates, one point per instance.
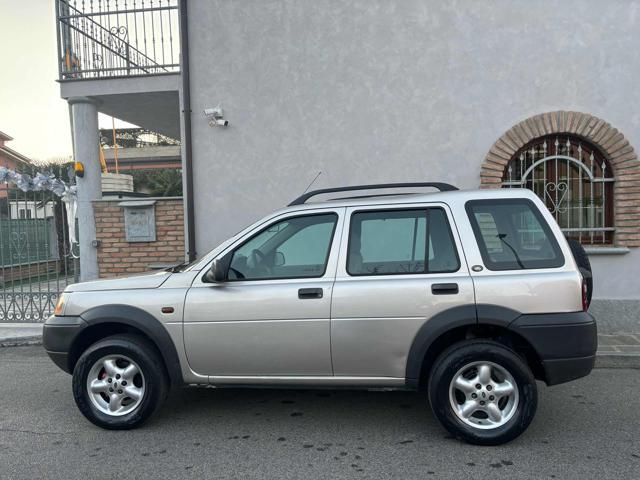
(380, 91)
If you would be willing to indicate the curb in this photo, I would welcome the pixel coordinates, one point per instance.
(617, 360)
(21, 341)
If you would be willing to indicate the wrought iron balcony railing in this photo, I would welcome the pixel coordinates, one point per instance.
(117, 38)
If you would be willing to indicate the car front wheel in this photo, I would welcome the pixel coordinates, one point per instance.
(482, 392)
(119, 382)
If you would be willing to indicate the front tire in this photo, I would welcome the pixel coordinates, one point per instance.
(119, 382)
(482, 392)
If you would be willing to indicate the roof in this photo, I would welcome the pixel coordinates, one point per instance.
(9, 152)
(5, 137)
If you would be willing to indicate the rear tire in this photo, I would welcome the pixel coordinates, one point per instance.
(119, 382)
(482, 392)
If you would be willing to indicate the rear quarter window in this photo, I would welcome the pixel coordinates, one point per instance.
(513, 235)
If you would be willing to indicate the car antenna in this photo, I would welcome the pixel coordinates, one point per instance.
(312, 182)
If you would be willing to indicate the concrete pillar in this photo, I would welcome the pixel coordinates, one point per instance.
(84, 118)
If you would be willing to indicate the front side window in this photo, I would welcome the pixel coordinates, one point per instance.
(513, 235)
(395, 242)
(293, 248)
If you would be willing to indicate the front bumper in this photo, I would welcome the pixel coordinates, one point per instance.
(565, 342)
(57, 337)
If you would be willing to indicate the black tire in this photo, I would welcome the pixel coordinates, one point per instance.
(464, 353)
(582, 260)
(150, 363)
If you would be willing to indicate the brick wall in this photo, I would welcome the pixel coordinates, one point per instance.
(117, 257)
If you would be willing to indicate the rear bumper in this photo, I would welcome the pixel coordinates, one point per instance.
(58, 335)
(560, 370)
(566, 343)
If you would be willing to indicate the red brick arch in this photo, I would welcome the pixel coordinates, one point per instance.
(615, 147)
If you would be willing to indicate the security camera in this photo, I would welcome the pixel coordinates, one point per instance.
(216, 116)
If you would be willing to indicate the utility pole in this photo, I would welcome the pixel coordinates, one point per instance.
(84, 118)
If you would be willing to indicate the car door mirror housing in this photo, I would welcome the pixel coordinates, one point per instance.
(278, 259)
(217, 273)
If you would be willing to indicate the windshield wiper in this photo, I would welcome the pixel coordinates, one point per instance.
(177, 268)
(502, 236)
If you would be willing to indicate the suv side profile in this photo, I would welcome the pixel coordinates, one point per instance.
(467, 296)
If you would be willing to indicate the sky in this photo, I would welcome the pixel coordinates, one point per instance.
(31, 110)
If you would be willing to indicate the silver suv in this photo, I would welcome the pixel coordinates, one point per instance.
(468, 296)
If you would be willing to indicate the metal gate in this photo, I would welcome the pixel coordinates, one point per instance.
(36, 262)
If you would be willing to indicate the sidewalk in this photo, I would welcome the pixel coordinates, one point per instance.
(18, 334)
(621, 350)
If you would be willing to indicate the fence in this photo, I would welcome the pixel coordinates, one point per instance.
(36, 262)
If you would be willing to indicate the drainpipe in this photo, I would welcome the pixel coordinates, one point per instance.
(186, 141)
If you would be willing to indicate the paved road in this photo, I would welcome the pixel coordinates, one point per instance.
(587, 429)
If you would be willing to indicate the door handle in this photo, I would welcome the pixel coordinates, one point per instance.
(444, 288)
(304, 293)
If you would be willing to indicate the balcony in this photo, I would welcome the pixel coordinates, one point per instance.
(117, 38)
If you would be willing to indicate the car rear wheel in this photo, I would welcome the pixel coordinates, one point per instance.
(119, 382)
(482, 392)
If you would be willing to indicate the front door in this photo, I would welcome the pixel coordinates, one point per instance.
(403, 266)
(271, 317)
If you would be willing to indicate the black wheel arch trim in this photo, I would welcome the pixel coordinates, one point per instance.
(147, 324)
(551, 335)
(439, 324)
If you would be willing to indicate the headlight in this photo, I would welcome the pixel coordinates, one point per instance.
(62, 300)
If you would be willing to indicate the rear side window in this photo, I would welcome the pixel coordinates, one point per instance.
(513, 235)
(393, 242)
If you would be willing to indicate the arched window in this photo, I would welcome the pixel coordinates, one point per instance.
(574, 180)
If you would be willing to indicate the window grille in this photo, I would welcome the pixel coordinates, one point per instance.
(573, 179)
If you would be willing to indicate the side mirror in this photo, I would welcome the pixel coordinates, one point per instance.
(278, 259)
(217, 273)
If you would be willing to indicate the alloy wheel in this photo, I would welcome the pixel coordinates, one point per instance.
(483, 395)
(115, 385)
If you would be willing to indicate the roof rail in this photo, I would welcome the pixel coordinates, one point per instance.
(443, 187)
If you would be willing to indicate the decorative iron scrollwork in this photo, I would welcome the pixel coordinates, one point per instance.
(556, 193)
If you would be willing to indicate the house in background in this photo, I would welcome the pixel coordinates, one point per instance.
(537, 95)
(11, 205)
(139, 149)
(12, 160)
(28, 209)
(9, 158)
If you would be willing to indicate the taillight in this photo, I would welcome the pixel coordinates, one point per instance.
(585, 301)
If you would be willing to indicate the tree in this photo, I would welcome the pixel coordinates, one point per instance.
(160, 182)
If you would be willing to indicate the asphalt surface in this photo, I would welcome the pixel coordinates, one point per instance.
(586, 429)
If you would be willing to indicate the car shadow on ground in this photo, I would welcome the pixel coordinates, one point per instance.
(346, 407)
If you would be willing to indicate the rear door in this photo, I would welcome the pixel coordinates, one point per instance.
(398, 268)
